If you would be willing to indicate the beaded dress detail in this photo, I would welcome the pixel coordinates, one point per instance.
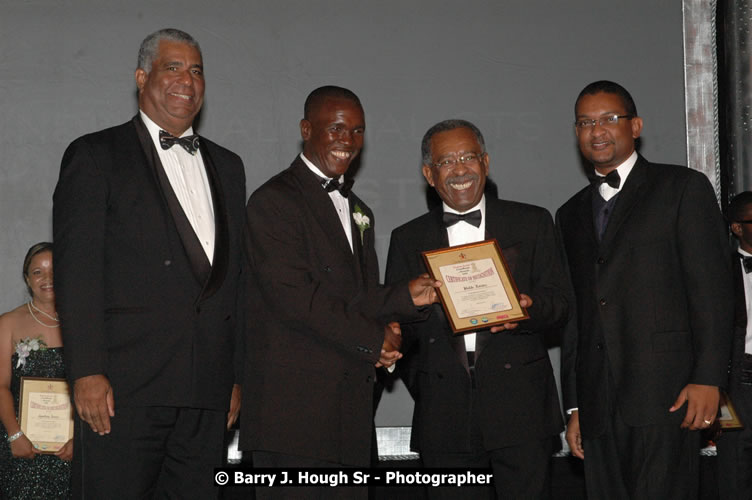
(45, 476)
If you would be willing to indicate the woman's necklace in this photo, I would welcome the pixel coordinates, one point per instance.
(53, 318)
(30, 305)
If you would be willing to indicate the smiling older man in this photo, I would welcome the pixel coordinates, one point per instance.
(147, 220)
(487, 398)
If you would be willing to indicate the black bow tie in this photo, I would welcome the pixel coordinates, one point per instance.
(473, 218)
(189, 142)
(747, 263)
(612, 179)
(334, 185)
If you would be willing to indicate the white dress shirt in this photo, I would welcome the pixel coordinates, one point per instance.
(748, 299)
(607, 192)
(341, 204)
(462, 233)
(187, 176)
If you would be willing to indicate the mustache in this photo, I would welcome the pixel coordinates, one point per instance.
(460, 179)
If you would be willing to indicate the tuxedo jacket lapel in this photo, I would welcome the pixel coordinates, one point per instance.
(435, 235)
(189, 241)
(218, 267)
(358, 241)
(209, 275)
(323, 211)
(585, 215)
(629, 195)
(498, 228)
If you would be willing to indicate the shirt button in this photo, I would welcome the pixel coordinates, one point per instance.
(599, 346)
(602, 302)
(601, 260)
(167, 262)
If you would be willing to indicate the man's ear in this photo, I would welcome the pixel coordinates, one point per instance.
(636, 127)
(141, 77)
(305, 129)
(428, 174)
(736, 228)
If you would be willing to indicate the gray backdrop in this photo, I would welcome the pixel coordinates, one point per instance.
(512, 67)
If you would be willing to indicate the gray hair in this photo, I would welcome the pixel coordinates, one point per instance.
(443, 126)
(150, 46)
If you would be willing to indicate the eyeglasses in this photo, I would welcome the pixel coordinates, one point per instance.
(466, 159)
(604, 121)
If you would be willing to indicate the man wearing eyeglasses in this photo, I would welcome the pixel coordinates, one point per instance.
(648, 259)
(487, 398)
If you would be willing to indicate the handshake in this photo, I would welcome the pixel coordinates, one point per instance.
(423, 292)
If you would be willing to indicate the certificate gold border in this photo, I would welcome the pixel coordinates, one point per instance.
(48, 385)
(735, 422)
(434, 259)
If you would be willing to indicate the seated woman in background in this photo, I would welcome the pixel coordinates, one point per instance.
(31, 346)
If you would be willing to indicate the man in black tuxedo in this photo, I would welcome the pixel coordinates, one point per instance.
(648, 258)
(319, 321)
(485, 398)
(735, 447)
(147, 222)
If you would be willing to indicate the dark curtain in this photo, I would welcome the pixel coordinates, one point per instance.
(734, 41)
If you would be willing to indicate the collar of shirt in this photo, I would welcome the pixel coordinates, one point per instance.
(462, 232)
(313, 168)
(744, 252)
(624, 169)
(154, 129)
(341, 204)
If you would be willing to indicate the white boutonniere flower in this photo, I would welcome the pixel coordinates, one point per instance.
(361, 220)
(25, 346)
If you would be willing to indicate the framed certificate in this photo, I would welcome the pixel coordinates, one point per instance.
(45, 412)
(477, 289)
(729, 419)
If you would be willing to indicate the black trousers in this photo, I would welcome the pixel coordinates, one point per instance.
(735, 447)
(650, 462)
(151, 452)
(522, 471)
